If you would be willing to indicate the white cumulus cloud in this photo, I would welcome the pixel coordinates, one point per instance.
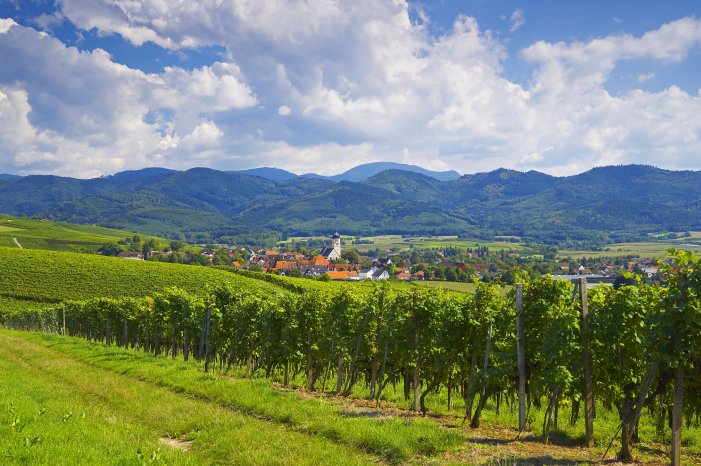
(365, 82)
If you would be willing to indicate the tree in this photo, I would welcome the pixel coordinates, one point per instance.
(150, 245)
(110, 249)
(350, 256)
(176, 245)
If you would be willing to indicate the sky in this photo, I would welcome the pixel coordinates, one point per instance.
(94, 87)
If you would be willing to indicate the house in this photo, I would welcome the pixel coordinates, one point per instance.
(379, 275)
(285, 265)
(382, 262)
(334, 252)
(343, 275)
(131, 255)
(373, 273)
(341, 267)
(320, 261)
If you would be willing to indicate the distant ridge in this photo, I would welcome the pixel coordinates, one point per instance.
(600, 206)
(269, 173)
(355, 174)
(135, 175)
(365, 171)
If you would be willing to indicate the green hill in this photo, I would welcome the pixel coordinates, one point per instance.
(59, 236)
(33, 278)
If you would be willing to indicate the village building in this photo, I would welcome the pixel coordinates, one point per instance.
(131, 255)
(334, 252)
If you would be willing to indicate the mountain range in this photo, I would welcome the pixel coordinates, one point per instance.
(359, 173)
(602, 205)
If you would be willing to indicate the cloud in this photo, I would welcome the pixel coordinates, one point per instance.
(80, 113)
(645, 77)
(518, 19)
(354, 82)
(6, 24)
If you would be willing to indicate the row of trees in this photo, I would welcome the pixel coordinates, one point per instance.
(641, 344)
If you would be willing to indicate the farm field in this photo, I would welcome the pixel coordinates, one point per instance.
(643, 249)
(270, 325)
(433, 242)
(417, 242)
(34, 276)
(155, 410)
(58, 236)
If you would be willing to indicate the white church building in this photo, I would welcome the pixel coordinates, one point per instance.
(334, 252)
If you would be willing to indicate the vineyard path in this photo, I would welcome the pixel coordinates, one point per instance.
(17, 242)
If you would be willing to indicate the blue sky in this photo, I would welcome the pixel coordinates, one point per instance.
(90, 87)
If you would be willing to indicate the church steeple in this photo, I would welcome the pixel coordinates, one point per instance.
(334, 252)
(336, 242)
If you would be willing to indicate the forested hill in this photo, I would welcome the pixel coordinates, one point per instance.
(603, 204)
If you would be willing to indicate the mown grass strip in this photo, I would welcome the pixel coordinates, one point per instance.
(59, 410)
(396, 439)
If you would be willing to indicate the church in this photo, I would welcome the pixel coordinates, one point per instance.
(334, 252)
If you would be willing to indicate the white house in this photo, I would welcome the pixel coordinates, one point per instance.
(373, 273)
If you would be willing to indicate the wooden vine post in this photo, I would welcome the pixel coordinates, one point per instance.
(677, 413)
(415, 402)
(678, 404)
(520, 359)
(588, 389)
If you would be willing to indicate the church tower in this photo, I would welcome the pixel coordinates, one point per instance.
(336, 243)
(334, 252)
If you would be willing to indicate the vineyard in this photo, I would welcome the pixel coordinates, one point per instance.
(620, 365)
(33, 277)
(57, 236)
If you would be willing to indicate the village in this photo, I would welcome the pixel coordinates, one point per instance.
(333, 262)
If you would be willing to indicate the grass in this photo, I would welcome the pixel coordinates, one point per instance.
(57, 409)
(60, 236)
(453, 286)
(126, 401)
(394, 439)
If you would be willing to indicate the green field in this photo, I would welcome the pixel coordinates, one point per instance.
(452, 286)
(59, 236)
(415, 242)
(643, 249)
(35, 276)
(432, 242)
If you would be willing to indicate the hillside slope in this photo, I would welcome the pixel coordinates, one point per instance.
(32, 277)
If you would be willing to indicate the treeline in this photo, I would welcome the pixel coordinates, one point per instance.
(544, 343)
